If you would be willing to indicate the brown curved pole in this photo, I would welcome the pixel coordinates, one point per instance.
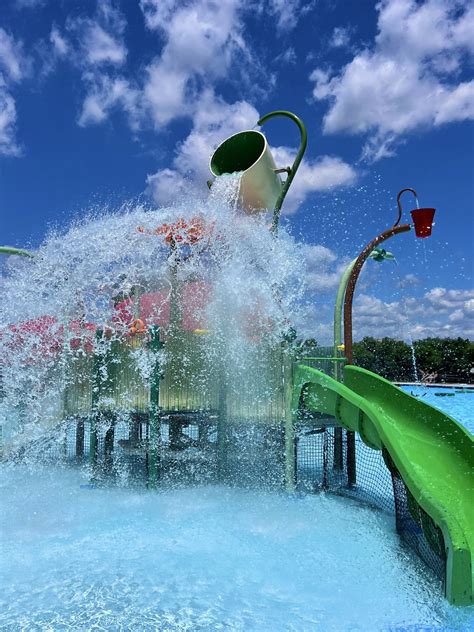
(395, 230)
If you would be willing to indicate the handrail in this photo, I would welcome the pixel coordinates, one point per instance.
(310, 358)
(292, 170)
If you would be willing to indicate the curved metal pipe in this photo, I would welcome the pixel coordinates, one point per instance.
(351, 284)
(399, 203)
(294, 168)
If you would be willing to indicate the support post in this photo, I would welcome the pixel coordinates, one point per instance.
(222, 431)
(80, 438)
(290, 446)
(155, 427)
(351, 458)
(97, 378)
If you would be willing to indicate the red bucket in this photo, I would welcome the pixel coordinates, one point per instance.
(423, 220)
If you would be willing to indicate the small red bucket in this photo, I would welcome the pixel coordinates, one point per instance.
(423, 220)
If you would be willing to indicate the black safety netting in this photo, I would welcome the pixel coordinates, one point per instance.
(321, 451)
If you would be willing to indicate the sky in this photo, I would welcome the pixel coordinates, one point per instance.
(103, 101)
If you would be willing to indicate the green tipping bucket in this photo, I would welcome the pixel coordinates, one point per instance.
(248, 153)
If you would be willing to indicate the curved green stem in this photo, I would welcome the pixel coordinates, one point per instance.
(9, 250)
(296, 163)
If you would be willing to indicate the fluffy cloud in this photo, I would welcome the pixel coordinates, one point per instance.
(323, 268)
(201, 41)
(407, 80)
(213, 120)
(8, 144)
(96, 46)
(438, 312)
(341, 37)
(98, 40)
(288, 12)
(15, 66)
(14, 63)
(321, 174)
(441, 312)
(105, 93)
(60, 43)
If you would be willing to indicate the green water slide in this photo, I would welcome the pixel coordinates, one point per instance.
(432, 452)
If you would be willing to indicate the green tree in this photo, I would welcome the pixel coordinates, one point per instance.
(392, 359)
(451, 359)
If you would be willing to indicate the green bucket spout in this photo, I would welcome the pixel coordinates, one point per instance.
(248, 153)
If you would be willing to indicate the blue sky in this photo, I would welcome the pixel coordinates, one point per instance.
(102, 101)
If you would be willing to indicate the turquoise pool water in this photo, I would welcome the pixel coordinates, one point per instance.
(204, 559)
(209, 558)
(450, 400)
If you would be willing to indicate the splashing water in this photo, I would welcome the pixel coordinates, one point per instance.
(191, 268)
(195, 559)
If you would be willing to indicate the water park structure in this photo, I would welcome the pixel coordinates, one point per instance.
(149, 398)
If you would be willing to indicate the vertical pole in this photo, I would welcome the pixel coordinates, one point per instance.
(222, 431)
(290, 448)
(341, 292)
(338, 452)
(155, 427)
(351, 458)
(80, 437)
(97, 378)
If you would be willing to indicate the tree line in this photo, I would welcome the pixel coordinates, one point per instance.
(437, 359)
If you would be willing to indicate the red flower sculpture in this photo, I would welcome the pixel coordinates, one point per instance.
(181, 232)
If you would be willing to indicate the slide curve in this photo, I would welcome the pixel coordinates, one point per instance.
(432, 451)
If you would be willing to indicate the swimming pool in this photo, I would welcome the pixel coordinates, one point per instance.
(451, 400)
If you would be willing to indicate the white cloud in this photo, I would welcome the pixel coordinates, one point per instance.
(202, 39)
(440, 312)
(288, 12)
(321, 174)
(341, 37)
(323, 268)
(99, 39)
(288, 56)
(407, 79)
(443, 299)
(95, 45)
(15, 66)
(213, 121)
(409, 280)
(105, 93)
(8, 144)
(158, 13)
(165, 92)
(102, 47)
(59, 42)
